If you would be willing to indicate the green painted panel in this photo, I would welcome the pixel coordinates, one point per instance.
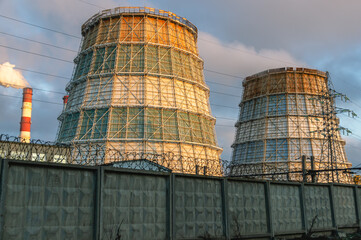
(286, 208)
(118, 123)
(198, 208)
(136, 204)
(101, 123)
(345, 209)
(135, 127)
(317, 203)
(153, 123)
(48, 203)
(246, 208)
(170, 128)
(87, 124)
(68, 127)
(124, 56)
(184, 127)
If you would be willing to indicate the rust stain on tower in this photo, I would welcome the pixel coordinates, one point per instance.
(285, 114)
(138, 89)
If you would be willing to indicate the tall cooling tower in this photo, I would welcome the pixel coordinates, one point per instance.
(138, 89)
(284, 114)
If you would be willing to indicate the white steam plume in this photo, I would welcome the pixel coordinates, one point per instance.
(9, 77)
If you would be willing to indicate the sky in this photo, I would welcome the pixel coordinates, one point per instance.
(237, 38)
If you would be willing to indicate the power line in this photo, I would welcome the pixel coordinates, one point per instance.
(219, 125)
(227, 94)
(208, 70)
(92, 4)
(37, 54)
(227, 85)
(47, 44)
(40, 89)
(220, 73)
(218, 105)
(37, 100)
(44, 90)
(38, 26)
(37, 72)
(57, 76)
(63, 60)
(42, 73)
(231, 119)
(216, 43)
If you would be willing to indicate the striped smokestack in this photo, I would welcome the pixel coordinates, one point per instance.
(25, 123)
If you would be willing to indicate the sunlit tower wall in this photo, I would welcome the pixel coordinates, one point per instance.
(284, 114)
(138, 89)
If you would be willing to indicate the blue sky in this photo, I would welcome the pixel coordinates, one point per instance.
(238, 38)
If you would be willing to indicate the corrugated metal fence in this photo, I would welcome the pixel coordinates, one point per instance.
(57, 201)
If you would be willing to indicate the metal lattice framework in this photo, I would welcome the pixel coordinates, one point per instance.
(284, 114)
(138, 86)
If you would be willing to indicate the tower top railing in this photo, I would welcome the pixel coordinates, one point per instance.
(284, 70)
(120, 10)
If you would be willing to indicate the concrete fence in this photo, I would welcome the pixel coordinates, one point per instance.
(57, 201)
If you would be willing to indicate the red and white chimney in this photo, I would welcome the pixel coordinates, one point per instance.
(25, 123)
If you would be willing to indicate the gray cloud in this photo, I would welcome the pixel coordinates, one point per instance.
(322, 34)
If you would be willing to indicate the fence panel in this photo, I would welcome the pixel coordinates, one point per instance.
(317, 203)
(345, 209)
(198, 207)
(53, 201)
(48, 203)
(136, 204)
(247, 212)
(286, 208)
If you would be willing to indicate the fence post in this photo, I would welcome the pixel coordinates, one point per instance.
(269, 208)
(313, 173)
(3, 182)
(224, 196)
(357, 208)
(171, 206)
(333, 210)
(304, 171)
(98, 202)
(303, 207)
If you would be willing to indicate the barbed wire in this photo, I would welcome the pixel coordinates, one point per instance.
(93, 153)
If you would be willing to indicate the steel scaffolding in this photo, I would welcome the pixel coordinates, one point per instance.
(287, 113)
(138, 86)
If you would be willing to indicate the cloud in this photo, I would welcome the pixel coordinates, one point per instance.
(238, 59)
(235, 59)
(239, 38)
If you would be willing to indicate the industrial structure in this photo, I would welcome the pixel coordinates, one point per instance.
(25, 123)
(138, 88)
(287, 115)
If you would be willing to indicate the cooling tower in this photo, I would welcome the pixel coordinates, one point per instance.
(138, 88)
(284, 114)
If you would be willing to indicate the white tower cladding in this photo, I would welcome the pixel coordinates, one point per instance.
(138, 89)
(284, 114)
